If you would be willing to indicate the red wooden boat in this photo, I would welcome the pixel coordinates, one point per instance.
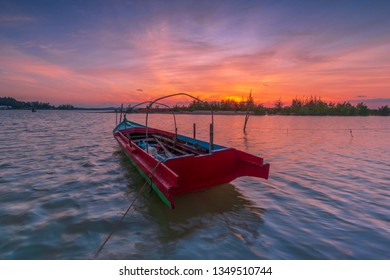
(175, 164)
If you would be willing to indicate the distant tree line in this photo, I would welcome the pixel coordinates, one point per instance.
(15, 104)
(315, 106)
(299, 106)
(225, 105)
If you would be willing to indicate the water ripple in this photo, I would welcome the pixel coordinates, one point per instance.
(64, 184)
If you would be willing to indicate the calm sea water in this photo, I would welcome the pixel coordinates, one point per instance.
(64, 185)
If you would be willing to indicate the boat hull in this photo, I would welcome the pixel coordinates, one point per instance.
(190, 172)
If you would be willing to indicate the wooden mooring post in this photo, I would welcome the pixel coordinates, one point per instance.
(249, 101)
(211, 147)
(246, 119)
(194, 130)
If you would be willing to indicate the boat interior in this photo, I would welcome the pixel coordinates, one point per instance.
(164, 147)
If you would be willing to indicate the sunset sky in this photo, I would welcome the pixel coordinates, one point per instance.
(99, 53)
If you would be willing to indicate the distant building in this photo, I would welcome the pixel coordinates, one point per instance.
(4, 107)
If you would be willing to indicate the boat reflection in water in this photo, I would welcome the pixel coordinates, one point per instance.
(221, 216)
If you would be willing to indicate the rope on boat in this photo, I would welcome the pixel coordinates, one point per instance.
(127, 211)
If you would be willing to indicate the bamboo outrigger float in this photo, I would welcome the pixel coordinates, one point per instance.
(175, 164)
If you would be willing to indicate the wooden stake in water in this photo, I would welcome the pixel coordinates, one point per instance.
(194, 130)
(120, 119)
(247, 109)
(246, 119)
(211, 147)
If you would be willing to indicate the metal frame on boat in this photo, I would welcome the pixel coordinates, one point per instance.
(175, 164)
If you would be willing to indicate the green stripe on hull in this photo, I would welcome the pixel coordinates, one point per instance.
(154, 187)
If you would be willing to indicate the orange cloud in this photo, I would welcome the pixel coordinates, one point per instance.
(162, 61)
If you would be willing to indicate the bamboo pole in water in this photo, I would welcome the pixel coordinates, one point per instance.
(247, 109)
(194, 130)
(211, 147)
(246, 119)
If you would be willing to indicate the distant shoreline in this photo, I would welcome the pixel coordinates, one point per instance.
(232, 113)
(201, 112)
(312, 106)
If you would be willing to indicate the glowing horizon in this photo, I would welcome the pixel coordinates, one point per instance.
(122, 52)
